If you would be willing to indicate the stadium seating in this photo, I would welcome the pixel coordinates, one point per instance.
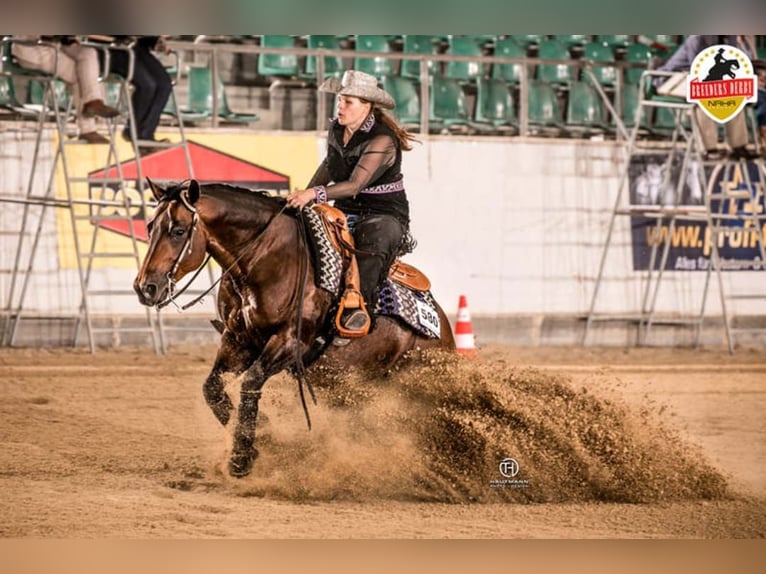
(407, 98)
(559, 73)
(494, 104)
(449, 107)
(414, 44)
(601, 53)
(630, 97)
(378, 66)
(572, 40)
(613, 41)
(36, 93)
(8, 100)
(636, 54)
(508, 48)
(333, 65)
(200, 98)
(528, 40)
(464, 71)
(284, 65)
(544, 109)
(585, 110)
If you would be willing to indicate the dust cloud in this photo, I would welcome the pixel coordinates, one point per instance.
(437, 429)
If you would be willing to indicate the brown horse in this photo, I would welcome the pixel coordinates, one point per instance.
(274, 317)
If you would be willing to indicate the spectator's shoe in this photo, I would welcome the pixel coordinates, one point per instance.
(93, 138)
(743, 153)
(714, 155)
(98, 108)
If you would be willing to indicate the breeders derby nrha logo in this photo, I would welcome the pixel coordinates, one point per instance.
(722, 82)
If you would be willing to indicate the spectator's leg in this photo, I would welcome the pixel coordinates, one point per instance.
(118, 64)
(760, 116)
(87, 86)
(736, 131)
(143, 93)
(708, 130)
(160, 87)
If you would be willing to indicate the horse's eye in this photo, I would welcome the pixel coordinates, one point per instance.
(178, 232)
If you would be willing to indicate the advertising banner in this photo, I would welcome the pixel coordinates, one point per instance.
(654, 181)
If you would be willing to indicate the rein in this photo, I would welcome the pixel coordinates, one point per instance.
(300, 369)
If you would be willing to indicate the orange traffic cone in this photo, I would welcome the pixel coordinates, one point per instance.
(464, 340)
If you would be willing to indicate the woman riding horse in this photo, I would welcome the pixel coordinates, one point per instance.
(274, 316)
(362, 173)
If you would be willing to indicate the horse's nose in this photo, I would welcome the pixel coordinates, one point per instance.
(146, 292)
(149, 291)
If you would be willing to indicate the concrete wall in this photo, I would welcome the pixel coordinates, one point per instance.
(517, 225)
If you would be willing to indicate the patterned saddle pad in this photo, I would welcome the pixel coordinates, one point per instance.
(417, 309)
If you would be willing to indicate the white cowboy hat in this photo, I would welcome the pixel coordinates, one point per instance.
(360, 85)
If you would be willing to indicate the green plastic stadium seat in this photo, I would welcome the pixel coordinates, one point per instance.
(448, 103)
(508, 48)
(559, 73)
(630, 99)
(200, 98)
(614, 40)
(36, 93)
(414, 44)
(572, 40)
(601, 53)
(636, 54)
(494, 103)
(8, 100)
(464, 71)
(584, 106)
(407, 98)
(528, 40)
(377, 66)
(333, 65)
(544, 109)
(285, 65)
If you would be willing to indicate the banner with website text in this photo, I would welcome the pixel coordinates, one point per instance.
(690, 243)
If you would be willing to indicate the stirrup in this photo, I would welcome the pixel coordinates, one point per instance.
(356, 320)
(352, 323)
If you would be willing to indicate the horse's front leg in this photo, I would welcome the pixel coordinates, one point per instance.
(231, 360)
(276, 357)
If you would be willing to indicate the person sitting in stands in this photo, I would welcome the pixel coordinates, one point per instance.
(736, 129)
(151, 83)
(76, 65)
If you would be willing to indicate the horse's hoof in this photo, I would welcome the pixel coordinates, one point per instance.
(240, 464)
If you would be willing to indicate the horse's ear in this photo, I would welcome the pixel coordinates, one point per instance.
(157, 191)
(193, 191)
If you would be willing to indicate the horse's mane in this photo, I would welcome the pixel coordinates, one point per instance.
(242, 196)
